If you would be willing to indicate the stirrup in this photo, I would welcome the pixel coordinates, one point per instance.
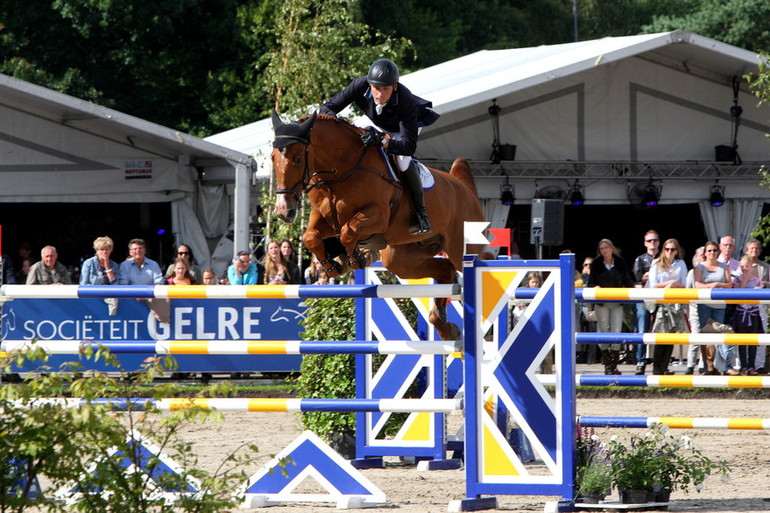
(421, 226)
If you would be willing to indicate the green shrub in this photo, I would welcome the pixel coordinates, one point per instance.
(61, 441)
(333, 375)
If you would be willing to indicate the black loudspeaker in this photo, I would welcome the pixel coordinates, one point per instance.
(547, 222)
(724, 153)
(507, 152)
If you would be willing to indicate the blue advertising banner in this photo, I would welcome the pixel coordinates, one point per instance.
(161, 319)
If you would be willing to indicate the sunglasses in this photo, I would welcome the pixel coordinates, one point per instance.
(651, 240)
(183, 253)
(669, 249)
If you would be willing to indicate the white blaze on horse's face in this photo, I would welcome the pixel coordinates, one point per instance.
(288, 164)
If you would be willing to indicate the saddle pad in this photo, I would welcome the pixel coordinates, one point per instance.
(426, 177)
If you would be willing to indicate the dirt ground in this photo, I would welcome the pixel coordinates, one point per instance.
(411, 491)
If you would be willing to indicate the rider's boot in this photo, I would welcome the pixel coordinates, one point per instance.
(411, 178)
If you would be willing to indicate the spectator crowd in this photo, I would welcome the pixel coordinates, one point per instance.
(663, 265)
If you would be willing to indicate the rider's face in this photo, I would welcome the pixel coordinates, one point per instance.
(381, 94)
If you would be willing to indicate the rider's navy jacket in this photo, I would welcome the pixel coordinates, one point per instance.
(400, 117)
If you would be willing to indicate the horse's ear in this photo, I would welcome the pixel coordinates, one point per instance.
(308, 124)
(276, 120)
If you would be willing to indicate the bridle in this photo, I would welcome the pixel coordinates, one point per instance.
(309, 181)
(305, 179)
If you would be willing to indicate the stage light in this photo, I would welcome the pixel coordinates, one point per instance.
(644, 195)
(506, 193)
(651, 195)
(576, 195)
(717, 195)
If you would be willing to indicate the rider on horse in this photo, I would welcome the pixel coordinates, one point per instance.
(400, 114)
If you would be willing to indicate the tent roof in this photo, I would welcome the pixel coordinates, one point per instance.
(113, 125)
(482, 76)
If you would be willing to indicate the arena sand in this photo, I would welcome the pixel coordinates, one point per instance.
(411, 491)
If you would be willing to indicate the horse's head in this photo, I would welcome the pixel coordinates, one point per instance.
(290, 163)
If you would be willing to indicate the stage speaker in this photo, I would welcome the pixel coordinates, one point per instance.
(547, 226)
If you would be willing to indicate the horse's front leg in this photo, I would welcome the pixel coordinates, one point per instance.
(367, 221)
(412, 261)
(317, 230)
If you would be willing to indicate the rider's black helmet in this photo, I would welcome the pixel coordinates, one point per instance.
(383, 73)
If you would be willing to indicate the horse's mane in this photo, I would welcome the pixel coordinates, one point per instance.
(343, 121)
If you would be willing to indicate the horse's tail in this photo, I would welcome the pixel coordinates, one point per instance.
(462, 171)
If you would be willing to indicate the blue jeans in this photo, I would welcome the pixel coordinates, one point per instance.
(642, 326)
(706, 311)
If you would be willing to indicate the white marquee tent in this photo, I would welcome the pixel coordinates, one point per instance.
(607, 112)
(59, 149)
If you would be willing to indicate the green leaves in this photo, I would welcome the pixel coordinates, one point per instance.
(658, 459)
(319, 50)
(328, 376)
(59, 441)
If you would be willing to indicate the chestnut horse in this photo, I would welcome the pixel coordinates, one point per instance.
(357, 208)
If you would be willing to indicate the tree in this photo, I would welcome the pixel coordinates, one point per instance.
(319, 50)
(148, 58)
(236, 93)
(615, 18)
(760, 84)
(736, 22)
(443, 30)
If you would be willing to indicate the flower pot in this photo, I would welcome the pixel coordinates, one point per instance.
(662, 495)
(635, 496)
(592, 498)
(344, 443)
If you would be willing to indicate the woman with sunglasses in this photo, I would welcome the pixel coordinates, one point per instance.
(184, 251)
(609, 269)
(667, 271)
(713, 274)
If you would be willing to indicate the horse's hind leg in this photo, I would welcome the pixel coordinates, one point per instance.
(446, 330)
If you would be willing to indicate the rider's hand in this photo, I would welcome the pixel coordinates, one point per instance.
(372, 137)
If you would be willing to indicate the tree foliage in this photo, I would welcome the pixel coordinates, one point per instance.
(446, 29)
(204, 66)
(760, 85)
(615, 18)
(148, 58)
(51, 438)
(319, 50)
(736, 22)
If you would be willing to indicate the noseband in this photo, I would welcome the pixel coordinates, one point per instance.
(305, 180)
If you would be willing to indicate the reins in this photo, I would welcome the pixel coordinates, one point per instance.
(310, 181)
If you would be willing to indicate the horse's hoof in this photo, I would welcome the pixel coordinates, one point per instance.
(372, 255)
(341, 266)
(333, 269)
(453, 332)
(357, 260)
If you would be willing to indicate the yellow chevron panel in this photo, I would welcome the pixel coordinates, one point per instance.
(424, 301)
(419, 430)
(496, 462)
(493, 285)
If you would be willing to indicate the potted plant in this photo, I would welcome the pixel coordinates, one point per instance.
(651, 466)
(593, 477)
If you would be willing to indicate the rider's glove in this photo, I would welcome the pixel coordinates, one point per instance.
(372, 137)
